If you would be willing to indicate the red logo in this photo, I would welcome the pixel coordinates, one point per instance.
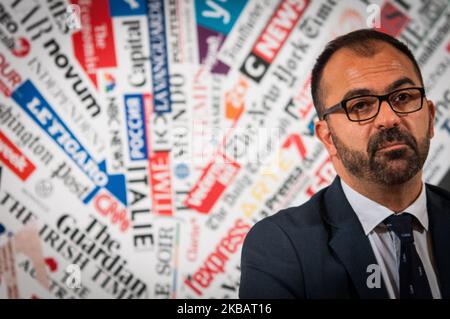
(14, 159)
(217, 260)
(273, 37)
(294, 140)
(392, 20)
(278, 29)
(51, 264)
(214, 180)
(161, 183)
(107, 205)
(9, 78)
(94, 43)
(21, 47)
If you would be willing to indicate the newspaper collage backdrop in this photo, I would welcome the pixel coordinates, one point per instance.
(140, 140)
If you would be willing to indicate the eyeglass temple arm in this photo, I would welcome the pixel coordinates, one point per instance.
(332, 109)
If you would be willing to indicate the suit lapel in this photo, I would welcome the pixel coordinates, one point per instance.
(349, 242)
(439, 216)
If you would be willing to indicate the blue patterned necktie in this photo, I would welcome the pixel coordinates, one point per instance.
(413, 279)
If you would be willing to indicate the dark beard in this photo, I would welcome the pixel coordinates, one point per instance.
(387, 167)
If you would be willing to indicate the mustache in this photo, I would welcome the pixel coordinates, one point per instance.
(393, 134)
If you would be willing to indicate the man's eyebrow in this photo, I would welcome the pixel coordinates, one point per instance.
(357, 92)
(397, 84)
(391, 87)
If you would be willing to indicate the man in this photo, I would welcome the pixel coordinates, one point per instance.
(377, 231)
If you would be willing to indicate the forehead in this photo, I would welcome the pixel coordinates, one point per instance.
(347, 70)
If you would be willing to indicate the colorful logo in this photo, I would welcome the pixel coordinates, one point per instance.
(110, 82)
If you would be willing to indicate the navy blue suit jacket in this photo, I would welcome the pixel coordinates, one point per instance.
(319, 250)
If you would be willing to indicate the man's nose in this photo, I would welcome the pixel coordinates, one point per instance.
(386, 117)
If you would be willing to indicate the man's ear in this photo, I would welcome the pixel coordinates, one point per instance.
(432, 109)
(324, 134)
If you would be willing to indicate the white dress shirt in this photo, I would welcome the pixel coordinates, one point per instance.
(386, 245)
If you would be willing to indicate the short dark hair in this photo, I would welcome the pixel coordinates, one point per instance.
(361, 42)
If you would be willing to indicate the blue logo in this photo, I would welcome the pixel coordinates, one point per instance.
(123, 8)
(219, 16)
(137, 145)
(158, 57)
(35, 105)
(182, 171)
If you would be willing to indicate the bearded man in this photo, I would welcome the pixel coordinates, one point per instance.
(378, 217)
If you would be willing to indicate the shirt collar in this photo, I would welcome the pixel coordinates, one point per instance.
(371, 214)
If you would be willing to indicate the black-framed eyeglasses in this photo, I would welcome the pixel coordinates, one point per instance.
(367, 107)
